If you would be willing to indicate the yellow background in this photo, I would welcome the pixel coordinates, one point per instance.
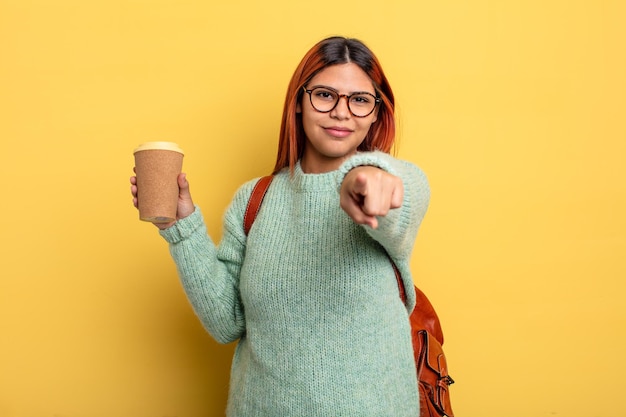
(515, 109)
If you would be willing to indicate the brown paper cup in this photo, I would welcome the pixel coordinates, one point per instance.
(157, 165)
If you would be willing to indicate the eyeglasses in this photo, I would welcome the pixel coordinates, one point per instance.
(325, 99)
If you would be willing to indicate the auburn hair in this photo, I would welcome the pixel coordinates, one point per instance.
(332, 51)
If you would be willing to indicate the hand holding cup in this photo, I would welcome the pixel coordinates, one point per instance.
(160, 191)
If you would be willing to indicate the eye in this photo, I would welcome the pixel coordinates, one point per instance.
(361, 99)
(324, 94)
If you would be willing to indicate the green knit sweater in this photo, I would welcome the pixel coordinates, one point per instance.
(310, 296)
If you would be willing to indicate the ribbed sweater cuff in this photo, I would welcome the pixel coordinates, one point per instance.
(376, 158)
(183, 228)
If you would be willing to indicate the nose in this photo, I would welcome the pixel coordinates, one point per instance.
(341, 109)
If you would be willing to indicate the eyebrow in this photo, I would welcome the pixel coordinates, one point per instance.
(337, 91)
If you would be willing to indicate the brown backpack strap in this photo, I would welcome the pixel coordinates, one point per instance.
(254, 204)
(424, 315)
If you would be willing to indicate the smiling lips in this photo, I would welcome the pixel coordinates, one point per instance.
(338, 131)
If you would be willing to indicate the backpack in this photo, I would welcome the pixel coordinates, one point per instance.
(426, 332)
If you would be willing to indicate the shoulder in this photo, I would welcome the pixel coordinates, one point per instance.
(245, 190)
(235, 212)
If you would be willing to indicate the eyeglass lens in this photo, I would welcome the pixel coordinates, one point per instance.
(325, 100)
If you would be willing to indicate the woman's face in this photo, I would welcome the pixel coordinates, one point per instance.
(334, 136)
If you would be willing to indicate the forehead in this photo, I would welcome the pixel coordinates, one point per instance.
(345, 78)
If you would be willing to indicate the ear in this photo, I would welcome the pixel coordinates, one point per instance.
(298, 107)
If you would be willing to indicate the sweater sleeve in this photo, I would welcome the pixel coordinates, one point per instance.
(397, 230)
(210, 273)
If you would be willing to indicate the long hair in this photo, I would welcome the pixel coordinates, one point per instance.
(332, 51)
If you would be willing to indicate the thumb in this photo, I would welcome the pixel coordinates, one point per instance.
(183, 185)
(185, 202)
(359, 186)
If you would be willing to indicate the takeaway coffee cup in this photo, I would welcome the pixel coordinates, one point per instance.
(157, 165)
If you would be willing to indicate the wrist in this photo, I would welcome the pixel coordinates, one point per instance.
(163, 226)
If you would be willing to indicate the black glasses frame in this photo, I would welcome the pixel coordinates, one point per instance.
(339, 96)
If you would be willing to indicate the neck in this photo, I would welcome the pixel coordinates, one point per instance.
(318, 167)
(318, 164)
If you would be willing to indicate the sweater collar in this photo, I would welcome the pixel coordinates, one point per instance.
(314, 182)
